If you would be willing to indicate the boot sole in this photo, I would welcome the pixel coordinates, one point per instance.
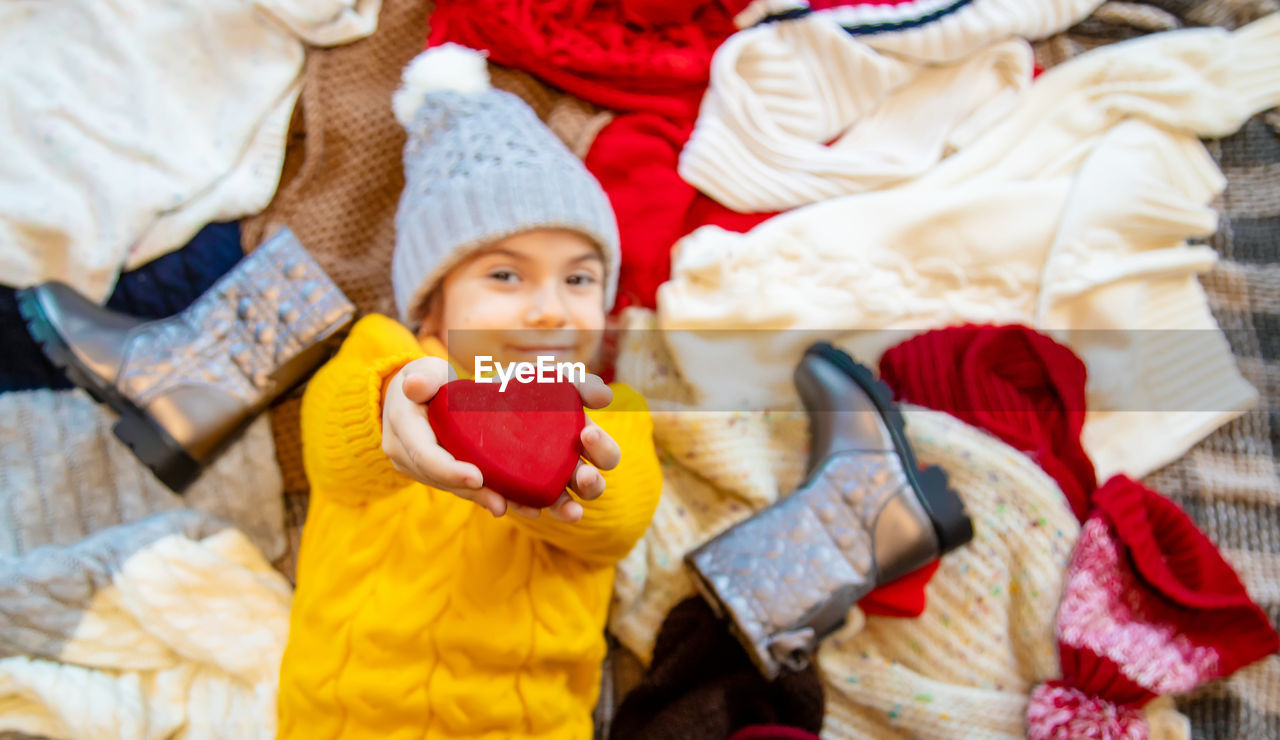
(159, 451)
(943, 505)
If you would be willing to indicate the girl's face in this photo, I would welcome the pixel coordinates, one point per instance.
(537, 293)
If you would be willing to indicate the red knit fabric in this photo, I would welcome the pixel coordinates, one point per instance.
(597, 50)
(901, 598)
(1149, 608)
(772, 732)
(1011, 381)
(634, 158)
(652, 57)
(1182, 567)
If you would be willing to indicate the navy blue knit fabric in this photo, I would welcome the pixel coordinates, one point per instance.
(160, 288)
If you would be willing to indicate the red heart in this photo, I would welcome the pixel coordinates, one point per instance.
(526, 440)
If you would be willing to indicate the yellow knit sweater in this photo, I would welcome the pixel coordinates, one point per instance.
(418, 614)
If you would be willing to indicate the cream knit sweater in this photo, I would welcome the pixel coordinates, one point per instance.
(170, 628)
(1070, 215)
(802, 110)
(127, 125)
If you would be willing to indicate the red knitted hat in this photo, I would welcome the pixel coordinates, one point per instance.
(1149, 608)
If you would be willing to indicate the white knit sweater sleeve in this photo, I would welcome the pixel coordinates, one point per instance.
(1204, 81)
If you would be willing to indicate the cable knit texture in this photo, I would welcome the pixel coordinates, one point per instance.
(1070, 215)
(178, 118)
(419, 613)
(171, 626)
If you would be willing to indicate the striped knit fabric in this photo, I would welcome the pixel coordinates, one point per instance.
(857, 97)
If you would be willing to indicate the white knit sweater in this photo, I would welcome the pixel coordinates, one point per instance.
(802, 110)
(127, 125)
(177, 639)
(1070, 215)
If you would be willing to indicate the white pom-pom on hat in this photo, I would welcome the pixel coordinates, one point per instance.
(445, 67)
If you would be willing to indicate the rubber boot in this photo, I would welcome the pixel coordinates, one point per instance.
(185, 385)
(865, 515)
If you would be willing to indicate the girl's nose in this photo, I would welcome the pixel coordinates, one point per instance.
(546, 308)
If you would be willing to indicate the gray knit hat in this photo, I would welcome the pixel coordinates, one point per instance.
(478, 167)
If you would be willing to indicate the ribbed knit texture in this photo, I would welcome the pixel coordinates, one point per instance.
(418, 612)
(64, 475)
(1151, 608)
(596, 51)
(480, 167)
(649, 61)
(800, 111)
(1068, 216)
(986, 635)
(169, 117)
(946, 30)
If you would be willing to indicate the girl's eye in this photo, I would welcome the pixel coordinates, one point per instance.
(504, 276)
(581, 278)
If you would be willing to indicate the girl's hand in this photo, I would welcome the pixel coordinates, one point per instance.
(410, 443)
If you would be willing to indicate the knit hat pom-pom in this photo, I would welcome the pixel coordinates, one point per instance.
(1064, 713)
(446, 67)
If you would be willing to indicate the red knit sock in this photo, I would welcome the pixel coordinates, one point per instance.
(901, 598)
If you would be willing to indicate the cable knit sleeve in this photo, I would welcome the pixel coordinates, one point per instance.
(342, 413)
(612, 524)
